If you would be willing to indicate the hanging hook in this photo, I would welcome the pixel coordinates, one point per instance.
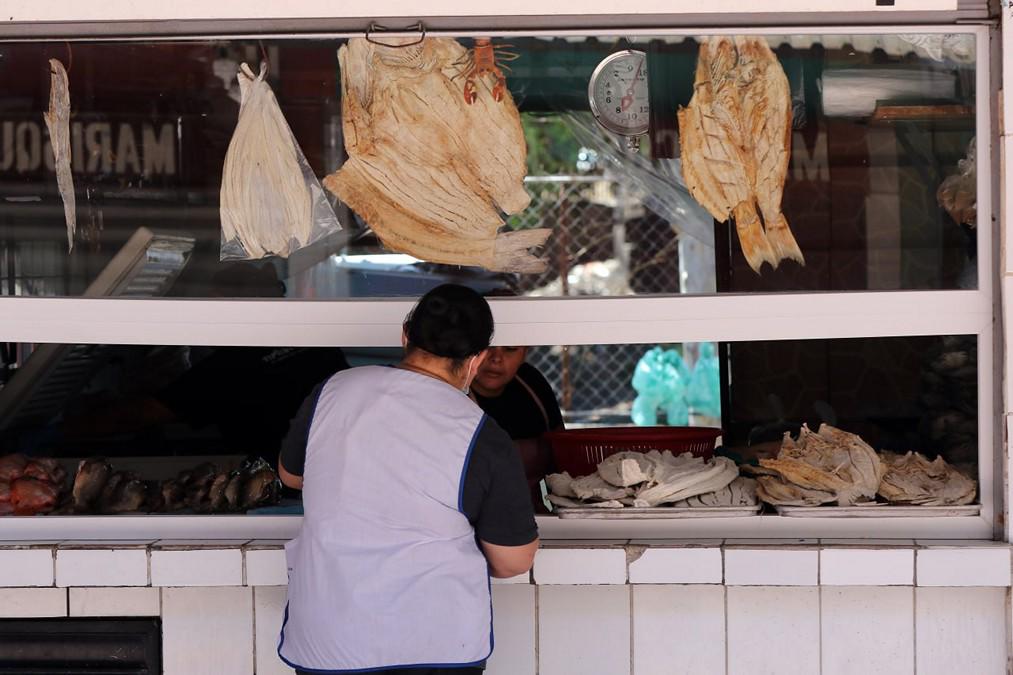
(377, 28)
(264, 60)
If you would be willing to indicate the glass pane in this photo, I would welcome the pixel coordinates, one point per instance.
(878, 186)
(163, 412)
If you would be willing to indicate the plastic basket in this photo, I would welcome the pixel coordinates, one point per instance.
(580, 451)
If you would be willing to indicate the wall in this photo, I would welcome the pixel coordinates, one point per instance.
(607, 608)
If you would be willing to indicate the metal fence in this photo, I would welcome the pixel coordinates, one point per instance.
(602, 243)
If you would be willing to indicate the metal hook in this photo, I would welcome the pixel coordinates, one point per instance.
(377, 28)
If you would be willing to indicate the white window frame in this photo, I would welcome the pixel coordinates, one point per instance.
(574, 321)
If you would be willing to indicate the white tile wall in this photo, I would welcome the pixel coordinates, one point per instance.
(771, 567)
(115, 602)
(98, 567)
(207, 631)
(23, 603)
(584, 629)
(197, 567)
(268, 613)
(519, 579)
(26, 567)
(988, 566)
(513, 614)
(678, 630)
(867, 631)
(867, 567)
(677, 566)
(960, 630)
(580, 566)
(773, 631)
(266, 567)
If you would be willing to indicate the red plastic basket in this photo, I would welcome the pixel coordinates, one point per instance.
(579, 451)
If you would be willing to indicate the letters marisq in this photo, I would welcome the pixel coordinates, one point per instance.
(143, 149)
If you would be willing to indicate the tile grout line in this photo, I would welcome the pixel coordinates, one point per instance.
(819, 606)
(724, 596)
(631, 631)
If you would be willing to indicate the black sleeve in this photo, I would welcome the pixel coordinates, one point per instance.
(293, 446)
(545, 394)
(495, 496)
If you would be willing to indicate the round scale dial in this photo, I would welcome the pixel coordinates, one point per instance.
(618, 93)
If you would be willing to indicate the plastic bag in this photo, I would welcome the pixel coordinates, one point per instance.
(703, 393)
(660, 380)
(271, 201)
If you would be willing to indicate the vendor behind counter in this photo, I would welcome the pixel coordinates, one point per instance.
(518, 397)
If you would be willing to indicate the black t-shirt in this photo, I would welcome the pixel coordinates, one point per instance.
(517, 411)
(495, 498)
(251, 393)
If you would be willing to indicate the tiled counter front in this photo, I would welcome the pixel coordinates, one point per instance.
(588, 608)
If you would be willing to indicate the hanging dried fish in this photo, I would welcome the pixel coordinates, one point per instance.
(735, 139)
(267, 202)
(58, 122)
(428, 172)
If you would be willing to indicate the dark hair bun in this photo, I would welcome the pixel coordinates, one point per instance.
(451, 321)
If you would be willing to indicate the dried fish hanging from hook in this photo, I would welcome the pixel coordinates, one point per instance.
(271, 203)
(58, 122)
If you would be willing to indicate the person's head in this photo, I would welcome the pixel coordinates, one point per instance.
(498, 369)
(453, 323)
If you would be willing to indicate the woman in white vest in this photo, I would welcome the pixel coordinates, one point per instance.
(412, 498)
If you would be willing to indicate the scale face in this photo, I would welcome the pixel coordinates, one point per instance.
(617, 93)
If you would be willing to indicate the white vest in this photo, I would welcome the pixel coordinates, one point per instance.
(386, 571)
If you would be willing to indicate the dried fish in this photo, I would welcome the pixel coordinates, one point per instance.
(913, 479)
(740, 492)
(560, 484)
(58, 122)
(594, 488)
(91, 478)
(266, 203)
(735, 139)
(428, 172)
(626, 468)
(675, 481)
(828, 462)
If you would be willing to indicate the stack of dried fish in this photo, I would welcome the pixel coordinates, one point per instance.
(29, 486)
(913, 479)
(651, 479)
(829, 466)
(203, 489)
(735, 139)
(429, 172)
(949, 398)
(206, 489)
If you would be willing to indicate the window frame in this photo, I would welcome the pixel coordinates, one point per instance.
(648, 320)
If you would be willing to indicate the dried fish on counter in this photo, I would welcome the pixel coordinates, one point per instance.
(818, 468)
(735, 139)
(642, 480)
(685, 476)
(626, 468)
(57, 120)
(913, 479)
(740, 492)
(89, 481)
(429, 172)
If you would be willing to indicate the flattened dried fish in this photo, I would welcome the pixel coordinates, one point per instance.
(913, 479)
(735, 139)
(828, 462)
(428, 172)
(58, 122)
(626, 468)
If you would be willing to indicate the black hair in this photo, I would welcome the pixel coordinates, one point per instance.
(450, 321)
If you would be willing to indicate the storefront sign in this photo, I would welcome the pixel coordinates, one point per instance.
(126, 149)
